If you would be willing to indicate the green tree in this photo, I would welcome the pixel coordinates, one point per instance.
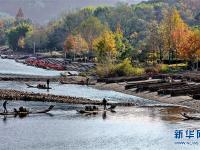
(119, 40)
(17, 33)
(38, 36)
(90, 29)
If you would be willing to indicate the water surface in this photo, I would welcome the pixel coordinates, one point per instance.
(77, 91)
(129, 128)
(9, 66)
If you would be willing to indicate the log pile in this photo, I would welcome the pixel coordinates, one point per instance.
(157, 86)
(146, 82)
(30, 96)
(123, 79)
(180, 91)
(196, 96)
(164, 84)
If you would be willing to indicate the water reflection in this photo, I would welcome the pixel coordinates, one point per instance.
(128, 128)
(171, 114)
(4, 118)
(104, 115)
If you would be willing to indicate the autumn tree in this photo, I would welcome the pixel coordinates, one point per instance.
(180, 36)
(69, 44)
(189, 47)
(154, 43)
(90, 29)
(21, 42)
(75, 44)
(80, 44)
(169, 24)
(105, 47)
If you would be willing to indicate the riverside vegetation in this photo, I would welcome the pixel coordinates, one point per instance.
(149, 37)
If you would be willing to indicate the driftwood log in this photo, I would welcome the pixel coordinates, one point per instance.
(187, 117)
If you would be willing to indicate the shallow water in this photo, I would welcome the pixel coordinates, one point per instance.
(8, 66)
(129, 128)
(78, 91)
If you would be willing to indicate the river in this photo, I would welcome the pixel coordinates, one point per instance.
(130, 128)
(9, 66)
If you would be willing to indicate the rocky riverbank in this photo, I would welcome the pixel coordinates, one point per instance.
(30, 96)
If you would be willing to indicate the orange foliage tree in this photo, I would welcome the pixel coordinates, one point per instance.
(75, 44)
(186, 41)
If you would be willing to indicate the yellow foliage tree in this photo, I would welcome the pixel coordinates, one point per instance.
(172, 20)
(21, 42)
(105, 47)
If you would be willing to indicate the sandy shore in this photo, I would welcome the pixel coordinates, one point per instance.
(179, 100)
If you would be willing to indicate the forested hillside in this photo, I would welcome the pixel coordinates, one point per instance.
(150, 31)
(41, 11)
(134, 20)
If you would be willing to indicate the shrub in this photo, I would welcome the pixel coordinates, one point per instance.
(125, 68)
(152, 70)
(122, 69)
(105, 70)
(138, 71)
(163, 68)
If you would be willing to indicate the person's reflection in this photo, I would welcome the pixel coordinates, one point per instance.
(5, 118)
(104, 115)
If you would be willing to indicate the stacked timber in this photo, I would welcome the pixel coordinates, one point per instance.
(158, 86)
(196, 96)
(123, 79)
(159, 76)
(185, 92)
(180, 91)
(192, 76)
(169, 90)
(164, 76)
(165, 86)
(141, 83)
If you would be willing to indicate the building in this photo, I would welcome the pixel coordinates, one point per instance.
(20, 15)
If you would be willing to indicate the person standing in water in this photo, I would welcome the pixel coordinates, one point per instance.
(4, 106)
(48, 83)
(87, 81)
(104, 102)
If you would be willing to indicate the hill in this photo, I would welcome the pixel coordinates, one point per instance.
(41, 11)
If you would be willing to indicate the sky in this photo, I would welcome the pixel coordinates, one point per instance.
(44, 10)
